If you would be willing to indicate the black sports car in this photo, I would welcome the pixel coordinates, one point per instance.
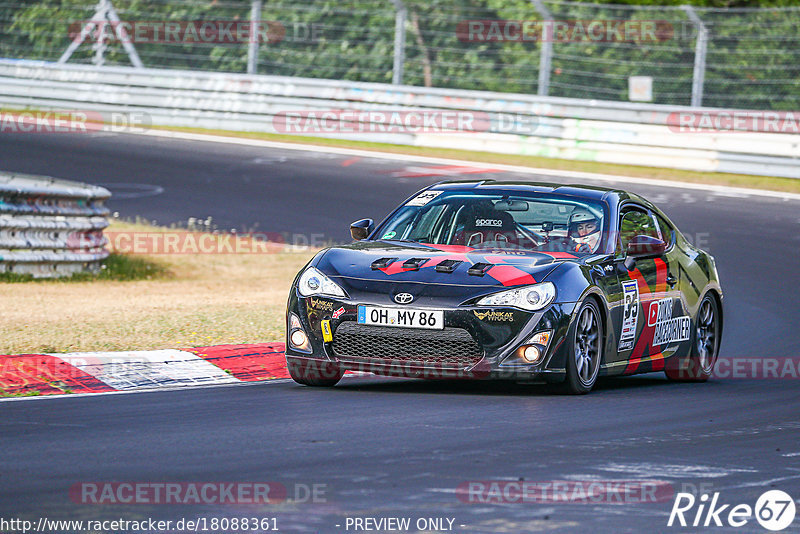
(521, 281)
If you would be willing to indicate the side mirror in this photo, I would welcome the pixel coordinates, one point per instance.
(641, 247)
(361, 229)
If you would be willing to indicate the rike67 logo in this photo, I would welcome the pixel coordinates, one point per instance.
(774, 510)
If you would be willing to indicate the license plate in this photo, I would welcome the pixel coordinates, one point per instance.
(402, 317)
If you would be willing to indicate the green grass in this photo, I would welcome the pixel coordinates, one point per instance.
(4, 393)
(116, 267)
(124, 267)
(33, 393)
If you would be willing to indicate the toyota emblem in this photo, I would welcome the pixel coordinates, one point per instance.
(403, 298)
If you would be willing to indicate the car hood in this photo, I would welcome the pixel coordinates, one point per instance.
(506, 268)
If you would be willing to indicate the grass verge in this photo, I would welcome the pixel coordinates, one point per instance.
(143, 302)
(118, 267)
(716, 178)
(5, 394)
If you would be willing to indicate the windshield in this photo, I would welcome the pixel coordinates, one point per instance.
(536, 222)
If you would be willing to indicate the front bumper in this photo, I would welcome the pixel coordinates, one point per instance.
(495, 338)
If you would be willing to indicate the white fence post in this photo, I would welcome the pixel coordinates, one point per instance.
(701, 45)
(546, 54)
(399, 41)
(252, 51)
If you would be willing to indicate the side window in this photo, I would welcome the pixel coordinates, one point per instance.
(635, 223)
(666, 230)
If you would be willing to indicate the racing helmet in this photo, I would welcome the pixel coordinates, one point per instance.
(582, 216)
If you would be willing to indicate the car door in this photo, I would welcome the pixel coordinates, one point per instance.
(683, 289)
(650, 291)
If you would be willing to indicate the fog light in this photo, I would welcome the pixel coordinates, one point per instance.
(299, 338)
(531, 354)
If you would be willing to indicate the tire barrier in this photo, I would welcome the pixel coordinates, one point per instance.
(50, 227)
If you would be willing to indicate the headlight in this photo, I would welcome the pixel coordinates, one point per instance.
(530, 298)
(313, 282)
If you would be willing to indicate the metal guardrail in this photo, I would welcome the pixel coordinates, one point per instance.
(602, 131)
(50, 227)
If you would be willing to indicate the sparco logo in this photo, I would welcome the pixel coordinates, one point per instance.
(403, 298)
(488, 222)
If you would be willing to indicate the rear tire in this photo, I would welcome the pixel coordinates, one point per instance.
(699, 364)
(314, 373)
(584, 349)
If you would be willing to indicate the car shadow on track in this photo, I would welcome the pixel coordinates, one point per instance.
(379, 384)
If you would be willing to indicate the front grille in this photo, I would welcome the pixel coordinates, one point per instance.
(449, 348)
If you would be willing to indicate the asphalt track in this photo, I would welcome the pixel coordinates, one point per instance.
(387, 447)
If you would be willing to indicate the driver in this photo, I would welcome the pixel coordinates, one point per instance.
(584, 230)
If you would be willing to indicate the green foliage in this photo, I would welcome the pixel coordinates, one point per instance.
(118, 267)
(50, 26)
(33, 393)
(752, 55)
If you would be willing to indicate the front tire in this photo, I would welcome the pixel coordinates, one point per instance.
(314, 373)
(584, 350)
(699, 364)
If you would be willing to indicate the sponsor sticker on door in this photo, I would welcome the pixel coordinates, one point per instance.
(668, 329)
(630, 314)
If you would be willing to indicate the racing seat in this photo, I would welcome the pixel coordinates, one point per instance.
(480, 223)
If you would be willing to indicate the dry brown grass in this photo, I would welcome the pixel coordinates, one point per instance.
(206, 299)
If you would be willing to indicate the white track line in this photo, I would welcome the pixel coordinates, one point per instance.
(579, 175)
(160, 388)
(135, 391)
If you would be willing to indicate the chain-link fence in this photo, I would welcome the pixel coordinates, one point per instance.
(729, 58)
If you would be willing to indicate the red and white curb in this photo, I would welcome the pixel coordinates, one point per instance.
(104, 372)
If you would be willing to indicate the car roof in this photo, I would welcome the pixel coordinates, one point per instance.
(488, 186)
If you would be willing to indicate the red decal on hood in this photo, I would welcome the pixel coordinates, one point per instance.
(558, 255)
(450, 248)
(394, 268)
(397, 266)
(508, 275)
